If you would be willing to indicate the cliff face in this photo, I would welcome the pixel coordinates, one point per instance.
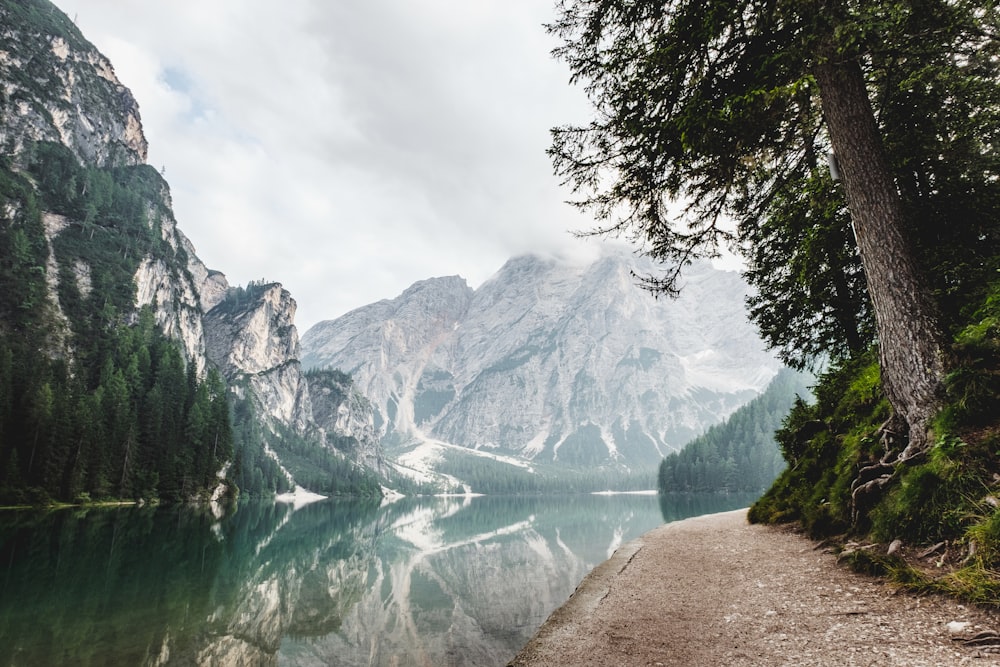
(340, 410)
(386, 346)
(551, 361)
(178, 291)
(57, 92)
(255, 344)
(59, 88)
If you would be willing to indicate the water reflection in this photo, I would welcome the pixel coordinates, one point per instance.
(418, 582)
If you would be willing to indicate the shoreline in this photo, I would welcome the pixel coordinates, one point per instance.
(716, 590)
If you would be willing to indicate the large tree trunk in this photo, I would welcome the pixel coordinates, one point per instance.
(911, 348)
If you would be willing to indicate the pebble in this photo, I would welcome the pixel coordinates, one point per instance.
(958, 627)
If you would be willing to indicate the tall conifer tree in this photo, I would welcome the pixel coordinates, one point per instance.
(709, 109)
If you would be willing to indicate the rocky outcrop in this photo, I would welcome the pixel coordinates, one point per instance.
(553, 361)
(345, 418)
(58, 343)
(93, 114)
(251, 338)
(252, 330)
(387, 345)
(173, 286)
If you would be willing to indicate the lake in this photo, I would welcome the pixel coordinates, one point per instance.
(430, 581)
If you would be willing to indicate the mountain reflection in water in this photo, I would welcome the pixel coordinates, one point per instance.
(435, 581)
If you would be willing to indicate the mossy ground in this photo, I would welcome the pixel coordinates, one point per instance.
(949, 497)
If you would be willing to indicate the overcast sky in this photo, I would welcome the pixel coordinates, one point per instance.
(350, 148)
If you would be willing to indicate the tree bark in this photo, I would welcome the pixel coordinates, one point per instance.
(911, 343)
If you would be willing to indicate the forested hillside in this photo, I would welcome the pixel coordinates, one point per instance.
(741, 453)
(95, 401)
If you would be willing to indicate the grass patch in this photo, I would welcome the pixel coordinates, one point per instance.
(951, 495)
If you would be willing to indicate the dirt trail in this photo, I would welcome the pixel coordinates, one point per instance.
(715, 590)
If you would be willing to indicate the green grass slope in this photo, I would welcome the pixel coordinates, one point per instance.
(944, 508)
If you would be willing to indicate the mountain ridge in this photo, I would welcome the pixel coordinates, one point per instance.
(551, 360)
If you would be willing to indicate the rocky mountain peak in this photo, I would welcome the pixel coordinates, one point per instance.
(252, 330)
(94, 115)
(554, 360)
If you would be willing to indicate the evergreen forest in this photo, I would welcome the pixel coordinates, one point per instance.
(95, 403)
(740, 454)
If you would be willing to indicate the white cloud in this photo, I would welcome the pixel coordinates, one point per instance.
(349, 149)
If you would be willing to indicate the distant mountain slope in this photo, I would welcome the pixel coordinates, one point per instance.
(552, 361)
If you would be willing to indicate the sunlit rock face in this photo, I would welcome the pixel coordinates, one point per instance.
(176, 302)
(553, 360)
(91, 112)
(253, 341)
(251, 337)
(255, 336)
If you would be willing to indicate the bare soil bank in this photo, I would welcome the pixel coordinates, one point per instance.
(715, 590)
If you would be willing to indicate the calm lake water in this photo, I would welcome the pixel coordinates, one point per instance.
(444, 581)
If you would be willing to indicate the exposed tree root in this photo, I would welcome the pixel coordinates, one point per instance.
(873, 477)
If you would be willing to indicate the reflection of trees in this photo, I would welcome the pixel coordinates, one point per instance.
(172, 586)
(103, 587)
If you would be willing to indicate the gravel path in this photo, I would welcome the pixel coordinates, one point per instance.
(715, 590)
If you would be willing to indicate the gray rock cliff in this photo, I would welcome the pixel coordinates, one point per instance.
(93, 114)
(340, 410)
(551, 361)
(254, 343)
